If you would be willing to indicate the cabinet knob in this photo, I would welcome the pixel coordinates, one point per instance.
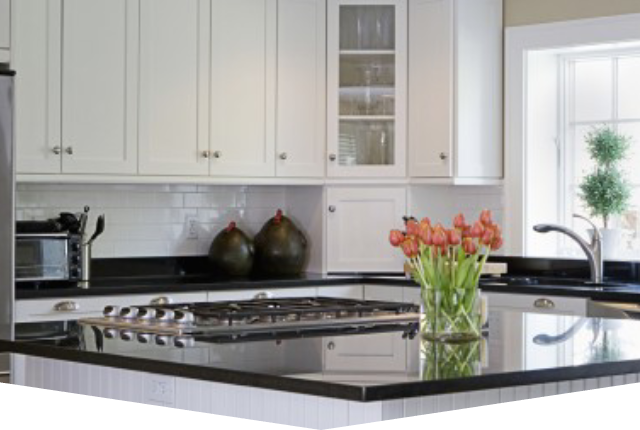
(283, 156)
(161, 301)
(66, 306)
(57, 150)
(544, 304)
(443, 156)
(217, 154)
(333, 157)
(332, 208)
(205, 154)
(331, 346)
(69, 150)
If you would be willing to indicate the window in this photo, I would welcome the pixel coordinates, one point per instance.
(598, 88)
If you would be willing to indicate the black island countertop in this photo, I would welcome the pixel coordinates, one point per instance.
(520, 349)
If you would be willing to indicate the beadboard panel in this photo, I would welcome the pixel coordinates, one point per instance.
(268, 405)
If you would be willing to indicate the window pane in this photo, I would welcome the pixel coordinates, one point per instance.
(582, 164)
(629, 88)
(631, 165)
(593, 90)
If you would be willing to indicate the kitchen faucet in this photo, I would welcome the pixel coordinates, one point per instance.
(593, 249)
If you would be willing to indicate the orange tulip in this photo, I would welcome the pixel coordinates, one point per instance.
(426, 236)
(485, 218)
(487, 237)
(439, 238)
(454, 238)
(477, 230)
(396, 237)
(469, 246)
(497, 243)
(410, 248)
(459, 222)
(413, 229)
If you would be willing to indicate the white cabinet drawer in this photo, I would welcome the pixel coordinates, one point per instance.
(538, 303)
(386, 293)
(342, 292)
(73, 308)
(222, 296)
(411, 295)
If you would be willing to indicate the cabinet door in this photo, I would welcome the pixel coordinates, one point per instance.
(431, 85)
(479, 43)
(358, 225)
(174, 87)
(243, 79)
(36, 54)
(5, 24)
(301, 89)
(367, 78)
(99, 86)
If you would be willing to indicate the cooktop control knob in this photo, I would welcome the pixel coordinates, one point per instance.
(165, 315)
(127, 335)
(146, 314)
(184, 317)
(184, 342)
(111, 311)
(145, 338)
(163, 340)
(110, 333)
(129, 312)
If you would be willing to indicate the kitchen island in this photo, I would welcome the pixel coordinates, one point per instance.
(295, 381)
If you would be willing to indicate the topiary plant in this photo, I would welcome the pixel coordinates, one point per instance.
(606, 191)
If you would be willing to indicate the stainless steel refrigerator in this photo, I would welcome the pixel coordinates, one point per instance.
(7, 212)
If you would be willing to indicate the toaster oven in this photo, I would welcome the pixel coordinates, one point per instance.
(42, 257)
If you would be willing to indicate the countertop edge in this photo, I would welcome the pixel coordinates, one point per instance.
(329, 389)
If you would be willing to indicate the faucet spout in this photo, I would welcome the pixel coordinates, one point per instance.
(592, 250)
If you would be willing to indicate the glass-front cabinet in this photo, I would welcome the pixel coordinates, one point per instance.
(367, 77)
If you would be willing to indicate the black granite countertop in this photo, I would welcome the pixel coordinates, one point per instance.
(520, 349)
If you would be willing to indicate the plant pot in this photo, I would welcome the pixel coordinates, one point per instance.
(612, 242)
(451, 315)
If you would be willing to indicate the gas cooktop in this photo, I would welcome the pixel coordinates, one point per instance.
(182, 325)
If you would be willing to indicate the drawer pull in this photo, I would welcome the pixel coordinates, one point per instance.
(161, 301)
(331, 346)
(544, 304)
(66, 307)
(263, 296)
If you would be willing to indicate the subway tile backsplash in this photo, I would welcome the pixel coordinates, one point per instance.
(153, 220)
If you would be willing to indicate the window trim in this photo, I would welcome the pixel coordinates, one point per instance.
(519, 41)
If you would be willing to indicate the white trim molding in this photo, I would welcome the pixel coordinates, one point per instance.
(615, 31)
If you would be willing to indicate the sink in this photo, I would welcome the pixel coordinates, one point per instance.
(522, 281)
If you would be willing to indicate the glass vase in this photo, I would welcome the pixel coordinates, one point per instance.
(451, 315)
(440, 360)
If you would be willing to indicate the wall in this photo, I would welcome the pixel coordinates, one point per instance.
(524, 12)
(151, 220)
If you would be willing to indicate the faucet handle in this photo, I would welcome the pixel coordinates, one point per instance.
(597, 236)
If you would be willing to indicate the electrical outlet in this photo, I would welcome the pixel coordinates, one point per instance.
(160, 390)
(192, 228)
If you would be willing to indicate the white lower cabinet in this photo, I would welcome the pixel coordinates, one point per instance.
(73, 308)
(538, 303)
(358, 223)
(364, 353)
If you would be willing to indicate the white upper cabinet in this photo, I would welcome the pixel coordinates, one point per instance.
(243, 81)
(358, 223)
(37, 34)
(5, 24)
(455, 76)
(367, 79)
(174, 87)
(99, 86)
(301, 88)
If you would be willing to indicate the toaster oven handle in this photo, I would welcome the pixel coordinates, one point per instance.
(68, 306)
